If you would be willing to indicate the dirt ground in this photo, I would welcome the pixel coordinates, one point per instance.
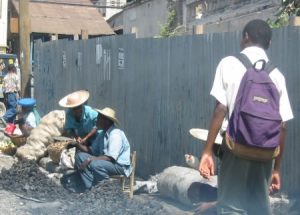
(25, 188)
(12, 204)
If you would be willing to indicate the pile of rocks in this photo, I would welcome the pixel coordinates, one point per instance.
(27, 179)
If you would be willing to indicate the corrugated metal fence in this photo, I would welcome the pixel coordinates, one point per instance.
(160, 88)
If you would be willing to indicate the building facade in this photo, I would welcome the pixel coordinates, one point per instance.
(3, 25)
(108, 8)
(205, 16)
(145, 17)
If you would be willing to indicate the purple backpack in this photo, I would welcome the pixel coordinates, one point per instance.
(255, 120)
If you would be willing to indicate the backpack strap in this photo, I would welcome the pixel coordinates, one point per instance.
(244, 60)
(269, 67)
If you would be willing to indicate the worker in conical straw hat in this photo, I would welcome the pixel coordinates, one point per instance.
(108, 155)
(81, 119)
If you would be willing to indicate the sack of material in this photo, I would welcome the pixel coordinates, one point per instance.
(67, 158)
(55, 150)
(50, 126)
(255, 121)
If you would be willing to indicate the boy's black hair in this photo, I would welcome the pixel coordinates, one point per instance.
(11, 67)
(259, 33)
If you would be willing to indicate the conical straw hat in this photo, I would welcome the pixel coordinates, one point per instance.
(74, 99)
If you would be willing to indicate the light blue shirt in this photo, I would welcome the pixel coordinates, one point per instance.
(87, 122)
(113, 143)
(30, 119)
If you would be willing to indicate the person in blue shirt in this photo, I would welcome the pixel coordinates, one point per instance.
(108, 155)
(80, 118)
(29, 117)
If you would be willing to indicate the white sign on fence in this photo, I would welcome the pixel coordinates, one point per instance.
(121, 58)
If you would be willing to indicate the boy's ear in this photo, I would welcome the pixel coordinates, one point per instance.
(245, 40)
(246, 37)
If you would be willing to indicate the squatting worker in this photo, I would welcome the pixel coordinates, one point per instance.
(81, 119)
(29, 117)
(11, 89)
(108, 155)
(243, 184)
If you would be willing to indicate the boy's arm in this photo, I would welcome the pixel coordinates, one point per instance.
(275, 178)
(206, 166)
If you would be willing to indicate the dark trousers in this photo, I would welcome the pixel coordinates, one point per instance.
(97, 170)
(11, 107)
(243, 186)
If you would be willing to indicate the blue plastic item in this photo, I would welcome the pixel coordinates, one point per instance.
(27, 102)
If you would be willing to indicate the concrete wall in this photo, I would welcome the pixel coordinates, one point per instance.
(229, 15)
(237, 23)
(145, 19)
(216, 6)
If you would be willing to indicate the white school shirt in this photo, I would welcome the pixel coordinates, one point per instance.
(229, 74)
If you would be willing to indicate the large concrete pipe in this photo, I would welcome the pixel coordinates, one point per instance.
(186, 185)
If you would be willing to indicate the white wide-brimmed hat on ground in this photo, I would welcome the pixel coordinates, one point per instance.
(202, 134)
(74, 99)
(109, 113)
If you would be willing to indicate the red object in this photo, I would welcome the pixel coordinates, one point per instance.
(10, 128)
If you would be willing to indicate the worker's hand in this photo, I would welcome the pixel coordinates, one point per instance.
(275, 182)
(78, 139)
(71, 145)
(85, 163)
(81, 140)
(206, 166)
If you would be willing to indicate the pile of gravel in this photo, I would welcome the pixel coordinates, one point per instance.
(26, 178)
(107, 198)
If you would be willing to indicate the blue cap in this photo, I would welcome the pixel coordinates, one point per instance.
(27, 102)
